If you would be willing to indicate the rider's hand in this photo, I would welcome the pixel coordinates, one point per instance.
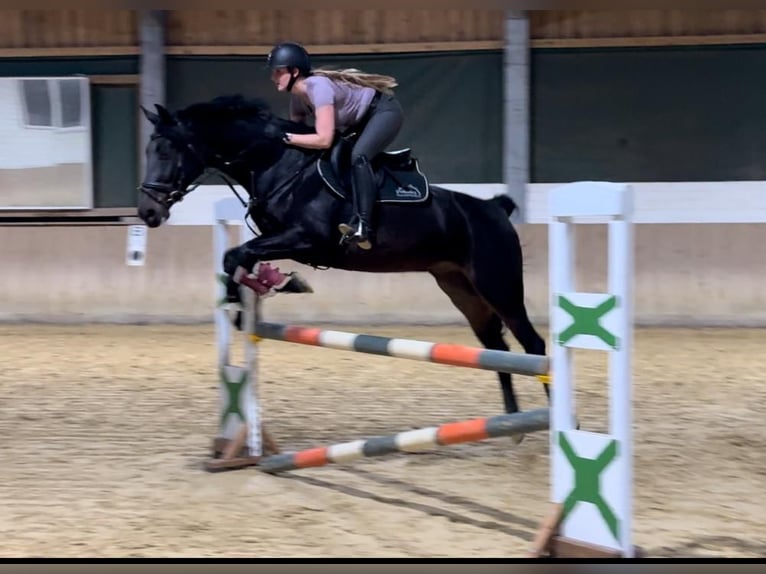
(272, 131)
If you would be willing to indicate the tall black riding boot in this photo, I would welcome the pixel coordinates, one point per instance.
(365, 194)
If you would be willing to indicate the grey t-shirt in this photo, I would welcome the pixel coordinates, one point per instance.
(351, 102)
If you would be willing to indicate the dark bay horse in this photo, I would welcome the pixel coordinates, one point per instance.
(467, 244)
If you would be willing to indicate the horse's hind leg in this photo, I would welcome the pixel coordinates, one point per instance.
(485, 324)
(501, 285)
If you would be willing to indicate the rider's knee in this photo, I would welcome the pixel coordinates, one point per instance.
(359, 159)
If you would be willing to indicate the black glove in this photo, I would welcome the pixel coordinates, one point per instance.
(274, 132)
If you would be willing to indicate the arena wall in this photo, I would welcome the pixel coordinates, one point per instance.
(703, 271)
(700, 272)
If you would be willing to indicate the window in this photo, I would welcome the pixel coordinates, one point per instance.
(37, 101)
(53, 102)
(71, 103)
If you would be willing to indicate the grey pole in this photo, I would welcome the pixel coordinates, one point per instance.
(516, 100)
(152, 70)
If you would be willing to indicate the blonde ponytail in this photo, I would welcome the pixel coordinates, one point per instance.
(385, 84)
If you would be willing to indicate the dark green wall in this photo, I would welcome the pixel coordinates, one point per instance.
(115, 145)
(639, 114)
(623, 114)
(452, 102)
(65, 66)
(662, 114)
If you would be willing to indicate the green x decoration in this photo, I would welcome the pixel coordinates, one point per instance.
(233, 391)
(587, 483)
(586, 321)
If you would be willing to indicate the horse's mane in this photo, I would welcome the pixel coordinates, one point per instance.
(226, 107)
(235, 107)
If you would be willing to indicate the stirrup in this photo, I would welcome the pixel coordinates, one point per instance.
(356, 235)
(346, 230)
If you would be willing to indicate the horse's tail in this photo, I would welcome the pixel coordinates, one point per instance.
(505, 203)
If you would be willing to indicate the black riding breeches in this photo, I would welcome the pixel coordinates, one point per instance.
(381, 127)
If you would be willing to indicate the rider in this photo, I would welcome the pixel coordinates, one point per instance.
(343, 100)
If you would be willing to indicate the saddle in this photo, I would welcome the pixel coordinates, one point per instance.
(397, 174)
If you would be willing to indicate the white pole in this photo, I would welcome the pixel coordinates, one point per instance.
(222, 324)
(252, 308)
(591, 471)
(621, 399)
(561, 236)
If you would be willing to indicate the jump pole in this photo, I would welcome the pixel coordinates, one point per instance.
(442, 353)
(410, 441)
(242, 439)
(591, 472)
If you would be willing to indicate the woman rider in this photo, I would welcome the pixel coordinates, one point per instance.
(340, 100)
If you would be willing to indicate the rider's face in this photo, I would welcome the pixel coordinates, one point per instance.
(280, 77)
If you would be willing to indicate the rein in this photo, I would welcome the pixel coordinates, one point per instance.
(255, 198)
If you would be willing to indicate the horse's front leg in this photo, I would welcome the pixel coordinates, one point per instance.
(287, 245)
(240, 261)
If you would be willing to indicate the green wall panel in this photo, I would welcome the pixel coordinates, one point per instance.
(452, 102)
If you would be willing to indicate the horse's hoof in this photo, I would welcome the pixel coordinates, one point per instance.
(295, 284)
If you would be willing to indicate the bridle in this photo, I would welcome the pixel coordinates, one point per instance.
(168, 194)
(172, 193)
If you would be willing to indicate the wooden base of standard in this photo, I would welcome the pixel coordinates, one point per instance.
(233, 454)
(548, 543)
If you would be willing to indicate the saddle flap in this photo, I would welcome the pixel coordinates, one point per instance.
(397, 175)
(340, 155)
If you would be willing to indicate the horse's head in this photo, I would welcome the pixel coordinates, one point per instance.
(172, 164)
(227, 133)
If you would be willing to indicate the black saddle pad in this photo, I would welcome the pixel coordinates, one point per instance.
(397, 176)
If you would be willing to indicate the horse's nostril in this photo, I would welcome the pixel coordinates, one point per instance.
(151, 217)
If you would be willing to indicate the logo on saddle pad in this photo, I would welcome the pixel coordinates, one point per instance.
(397, 175)
(410, 191)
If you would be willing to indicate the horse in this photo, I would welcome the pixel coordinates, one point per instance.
(299, 196)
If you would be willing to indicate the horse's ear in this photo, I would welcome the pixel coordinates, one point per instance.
(151, 116)
(164, 115)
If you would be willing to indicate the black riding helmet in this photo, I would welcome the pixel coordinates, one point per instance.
(291, 56)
